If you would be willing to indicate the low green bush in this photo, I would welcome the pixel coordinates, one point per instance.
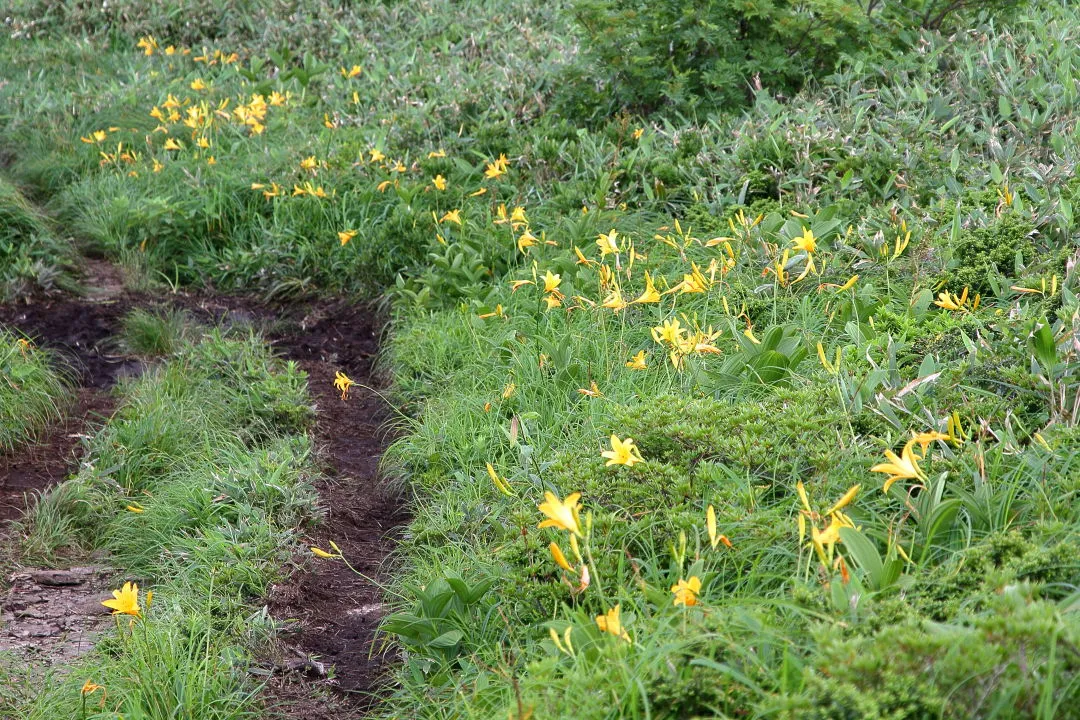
(31, 256)
(34, 390)
(691, 55)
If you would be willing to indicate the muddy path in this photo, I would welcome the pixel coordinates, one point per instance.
(80, 333)
(330, 613)
(330, 662)
(49, 617)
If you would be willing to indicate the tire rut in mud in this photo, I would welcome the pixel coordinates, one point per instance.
(79, 333)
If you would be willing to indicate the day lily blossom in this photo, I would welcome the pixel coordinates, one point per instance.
(650, 295)
(607, 243)
(622, 452)
(904, 467)
(125, 601)
(343, 383)
(562, 514)
(551, 282)
(637, 362)
(610, 623)
(806, 242)
(686, 591)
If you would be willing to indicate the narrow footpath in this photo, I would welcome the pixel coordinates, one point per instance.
(329, 662)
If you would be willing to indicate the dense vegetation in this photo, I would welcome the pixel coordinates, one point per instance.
(839, 325)
(32, 393)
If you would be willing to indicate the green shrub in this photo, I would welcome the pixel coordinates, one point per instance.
(715, 54)
(1015, 663)
(31, 256)
(32, 392)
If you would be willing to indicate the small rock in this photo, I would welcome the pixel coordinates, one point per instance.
(56, 578)
(93, 606)
(306, 666)
(42, 631)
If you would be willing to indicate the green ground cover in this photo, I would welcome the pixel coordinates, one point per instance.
(33, 390)
(767, 300)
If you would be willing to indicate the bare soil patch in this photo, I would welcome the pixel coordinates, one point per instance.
(51, 617)
(80, 333)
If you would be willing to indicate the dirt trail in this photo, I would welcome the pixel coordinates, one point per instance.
(79, 332)
(50, 617)
(332, 613)
(329, 664)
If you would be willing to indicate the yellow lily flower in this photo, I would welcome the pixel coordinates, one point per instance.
(124, 601)
(686, 591)
(611, 624)
(615, 301)
(650, 295)
(925, 439)
(562, 514)
(148, 45)
(495, 169)
(905, 467)
(948, 301)
(526, 241)
(517, 217)
(622, 452)
(825, 540)
(551, 281)
(607, 243)
(581, 259)
(343, 383)
(592, 391)
(89, 688)
(670, 332)
(637, 362)
(806, 242)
